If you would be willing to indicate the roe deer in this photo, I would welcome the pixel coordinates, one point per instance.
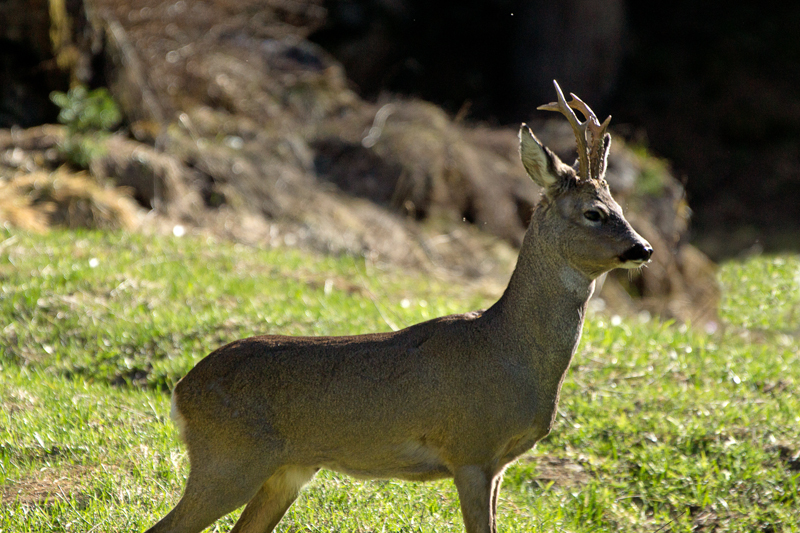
(459, 396)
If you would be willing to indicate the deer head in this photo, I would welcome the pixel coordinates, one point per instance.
(582, 219)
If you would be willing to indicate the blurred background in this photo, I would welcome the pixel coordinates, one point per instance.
(711, 86)
(387, 128)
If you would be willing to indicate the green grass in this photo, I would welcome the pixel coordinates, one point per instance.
(661, 427)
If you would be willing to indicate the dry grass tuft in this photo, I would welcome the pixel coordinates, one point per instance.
(41, 199)
(17, 210)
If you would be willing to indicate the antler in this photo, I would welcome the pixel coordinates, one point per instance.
(591, 148)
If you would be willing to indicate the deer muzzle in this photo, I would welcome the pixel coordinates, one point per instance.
(636, 255)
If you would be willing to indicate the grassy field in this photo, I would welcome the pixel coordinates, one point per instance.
(661, 427)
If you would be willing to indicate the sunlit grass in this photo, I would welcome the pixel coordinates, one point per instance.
(661, 427)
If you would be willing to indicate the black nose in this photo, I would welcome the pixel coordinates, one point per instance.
(639, 252)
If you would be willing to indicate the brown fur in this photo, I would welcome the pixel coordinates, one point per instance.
(460, 396)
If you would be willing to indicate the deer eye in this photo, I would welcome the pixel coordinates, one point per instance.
(593, 215)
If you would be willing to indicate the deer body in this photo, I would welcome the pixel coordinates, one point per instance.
(460, 396)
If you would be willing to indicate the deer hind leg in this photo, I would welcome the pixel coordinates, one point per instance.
(213, 490)
(273, 499)
(475, 486)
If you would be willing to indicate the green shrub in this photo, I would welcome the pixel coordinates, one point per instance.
(88, 116)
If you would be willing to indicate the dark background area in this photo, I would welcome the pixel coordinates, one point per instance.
(711, 87)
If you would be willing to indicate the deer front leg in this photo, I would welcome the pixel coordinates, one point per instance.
(474, 485)
(496, 482)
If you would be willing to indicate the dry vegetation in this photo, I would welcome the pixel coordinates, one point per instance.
(238, 126)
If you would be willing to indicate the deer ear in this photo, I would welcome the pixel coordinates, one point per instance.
(543, 166)
(604, 157)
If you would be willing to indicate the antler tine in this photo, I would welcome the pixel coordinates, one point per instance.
(578, 127)
(591, 119)
(597, 131)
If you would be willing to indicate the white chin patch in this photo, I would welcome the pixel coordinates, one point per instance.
(630, 265)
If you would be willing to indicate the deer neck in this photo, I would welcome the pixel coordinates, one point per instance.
(543, 307)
